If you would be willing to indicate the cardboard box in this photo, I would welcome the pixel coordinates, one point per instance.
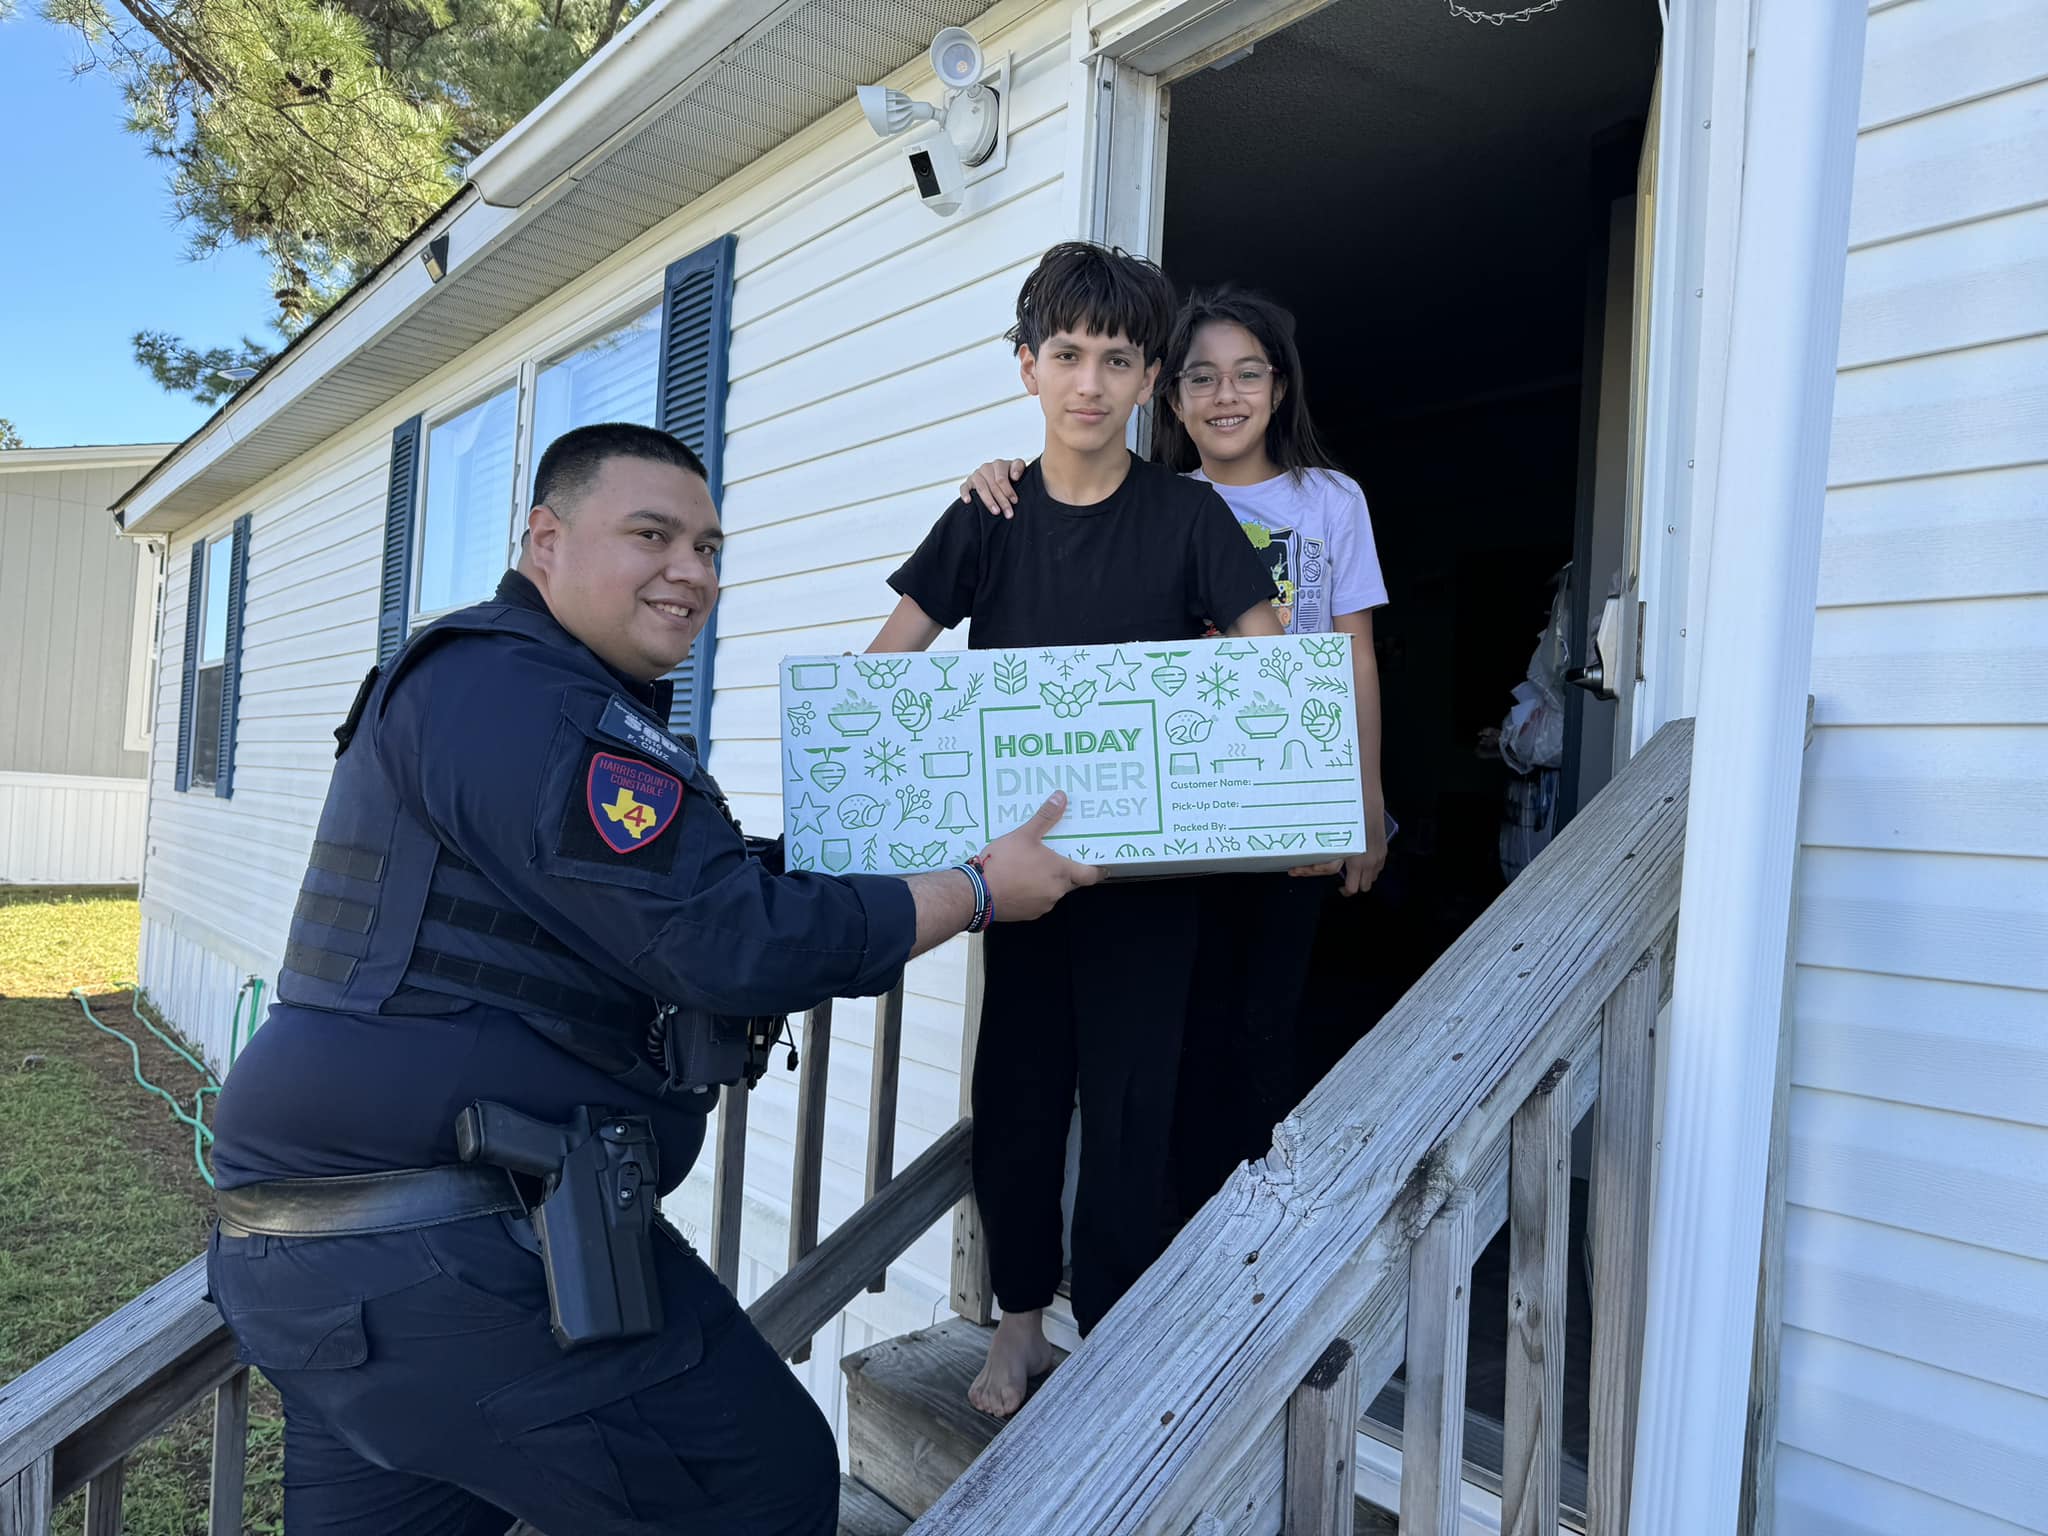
(1202, 755)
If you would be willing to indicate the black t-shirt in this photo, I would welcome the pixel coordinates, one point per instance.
(1161, 559)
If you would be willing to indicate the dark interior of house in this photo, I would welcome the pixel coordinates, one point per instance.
(1431, 198)
(1435, 201)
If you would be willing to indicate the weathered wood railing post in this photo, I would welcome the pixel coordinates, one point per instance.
(25, 1499)
(103, 1497)
(883, 1082)
(973, 1294)
(1539, 1240)
(729, 1185)
(230, 1455)
(1322, 1426)
(1621, 1237)
(813, 1073)
(1439, 1328)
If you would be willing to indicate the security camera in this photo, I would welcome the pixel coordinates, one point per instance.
(941, 178)
(970, 122)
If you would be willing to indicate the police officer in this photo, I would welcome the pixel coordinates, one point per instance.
(525, 893)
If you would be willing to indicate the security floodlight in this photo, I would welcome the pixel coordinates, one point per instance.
(889, 111)
(970, 121)
(956, 58)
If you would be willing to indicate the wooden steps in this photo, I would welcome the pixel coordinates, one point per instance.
(864, 1512)
(909, 1428)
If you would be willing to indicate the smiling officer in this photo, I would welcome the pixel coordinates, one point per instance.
(529, 946)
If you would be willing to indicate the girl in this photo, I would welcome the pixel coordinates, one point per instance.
(1237, 416)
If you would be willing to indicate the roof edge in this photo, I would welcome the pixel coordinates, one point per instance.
(658, 57)
(84, 456)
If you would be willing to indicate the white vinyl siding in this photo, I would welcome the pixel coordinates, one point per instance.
(1914, 1365)
(868, 375)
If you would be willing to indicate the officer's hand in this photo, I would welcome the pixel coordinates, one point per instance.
(1024, 876)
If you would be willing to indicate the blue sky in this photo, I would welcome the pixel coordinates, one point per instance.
(90, 257)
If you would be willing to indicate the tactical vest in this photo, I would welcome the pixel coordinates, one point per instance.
(390, 921)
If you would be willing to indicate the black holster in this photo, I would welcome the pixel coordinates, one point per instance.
(600, 1186)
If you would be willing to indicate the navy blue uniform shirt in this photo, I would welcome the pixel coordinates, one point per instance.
(481, 740)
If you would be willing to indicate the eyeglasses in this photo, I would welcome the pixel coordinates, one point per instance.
(1249, 379)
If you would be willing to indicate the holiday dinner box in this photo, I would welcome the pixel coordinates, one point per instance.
(1203, 755)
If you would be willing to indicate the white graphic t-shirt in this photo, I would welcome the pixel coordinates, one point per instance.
(1316, 537)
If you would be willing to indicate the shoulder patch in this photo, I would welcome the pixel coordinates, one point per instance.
(628, 727)
(630, 803)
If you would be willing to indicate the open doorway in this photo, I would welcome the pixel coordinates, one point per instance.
(1450, 209)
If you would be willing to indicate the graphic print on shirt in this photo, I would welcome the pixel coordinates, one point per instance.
(630, 803)
(1296, 565)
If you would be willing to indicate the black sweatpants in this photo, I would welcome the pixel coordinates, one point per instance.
(1095, 992)
(1238, 1074)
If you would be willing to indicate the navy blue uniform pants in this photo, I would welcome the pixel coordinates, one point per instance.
(424, 1396)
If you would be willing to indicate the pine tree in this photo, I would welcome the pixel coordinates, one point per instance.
(322, 133)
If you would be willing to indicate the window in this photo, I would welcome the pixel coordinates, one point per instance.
(610, 379)
(213, 655)
(456, 499)
(140, 724)
(468, 496)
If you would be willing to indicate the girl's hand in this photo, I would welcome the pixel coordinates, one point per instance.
(1361, 869)
(996, 484)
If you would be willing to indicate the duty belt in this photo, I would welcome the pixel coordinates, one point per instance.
(363, 1203)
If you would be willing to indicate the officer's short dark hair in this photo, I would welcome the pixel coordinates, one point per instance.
(572, 461)
(1087, 289)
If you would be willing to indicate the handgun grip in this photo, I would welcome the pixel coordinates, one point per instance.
(504, 1138)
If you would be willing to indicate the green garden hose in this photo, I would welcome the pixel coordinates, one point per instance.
(201, 1136)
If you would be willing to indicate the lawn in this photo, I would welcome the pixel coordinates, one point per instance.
(99, 1194)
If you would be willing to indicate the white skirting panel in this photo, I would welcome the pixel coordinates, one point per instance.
(66, 829)
(194, 984)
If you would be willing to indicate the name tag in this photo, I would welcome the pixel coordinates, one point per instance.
(629, 728)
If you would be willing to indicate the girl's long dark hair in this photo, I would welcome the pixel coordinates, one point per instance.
(1291, 440)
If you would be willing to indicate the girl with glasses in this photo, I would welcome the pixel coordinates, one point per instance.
(1236, 414)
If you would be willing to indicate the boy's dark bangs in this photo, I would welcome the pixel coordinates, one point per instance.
(1082, 289)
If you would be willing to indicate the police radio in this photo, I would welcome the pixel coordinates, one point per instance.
(595, 1221)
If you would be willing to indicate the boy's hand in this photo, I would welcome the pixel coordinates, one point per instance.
(996, 484)
(1025, 878)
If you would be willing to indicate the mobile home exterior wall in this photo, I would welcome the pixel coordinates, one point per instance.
(75, 613)
(866, 369)
(1914, 1364)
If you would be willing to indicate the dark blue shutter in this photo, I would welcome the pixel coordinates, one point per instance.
(696, 325)
(401, 509)
(231, 664)
(194, 596)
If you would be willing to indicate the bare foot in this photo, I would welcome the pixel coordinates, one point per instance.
(1018, 1352)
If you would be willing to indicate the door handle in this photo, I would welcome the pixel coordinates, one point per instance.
(1597, 675)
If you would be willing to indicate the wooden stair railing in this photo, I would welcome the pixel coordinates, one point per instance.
(1203, 1402)
(72, 1420)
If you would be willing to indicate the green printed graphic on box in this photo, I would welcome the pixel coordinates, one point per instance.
(1199, 755)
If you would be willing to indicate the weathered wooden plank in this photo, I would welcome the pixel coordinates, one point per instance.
(864, 1512)
(1539, 1240)
(808, 1175)
(1621, 1240)
(973, 1293)
(887, 1071)
(1253, 1289)
(103, 1501)
(143, 1414)
(60, 1394)
(729, 1185)
(230, 1456)
(25, 1501)
(822, 1282)
(1322, 1421)
(1439, 1325)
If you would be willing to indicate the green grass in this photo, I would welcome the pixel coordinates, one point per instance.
(99, 1192)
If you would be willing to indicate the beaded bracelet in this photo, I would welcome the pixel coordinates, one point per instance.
(984, 903)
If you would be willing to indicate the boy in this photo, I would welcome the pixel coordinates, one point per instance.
(1104, 550)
